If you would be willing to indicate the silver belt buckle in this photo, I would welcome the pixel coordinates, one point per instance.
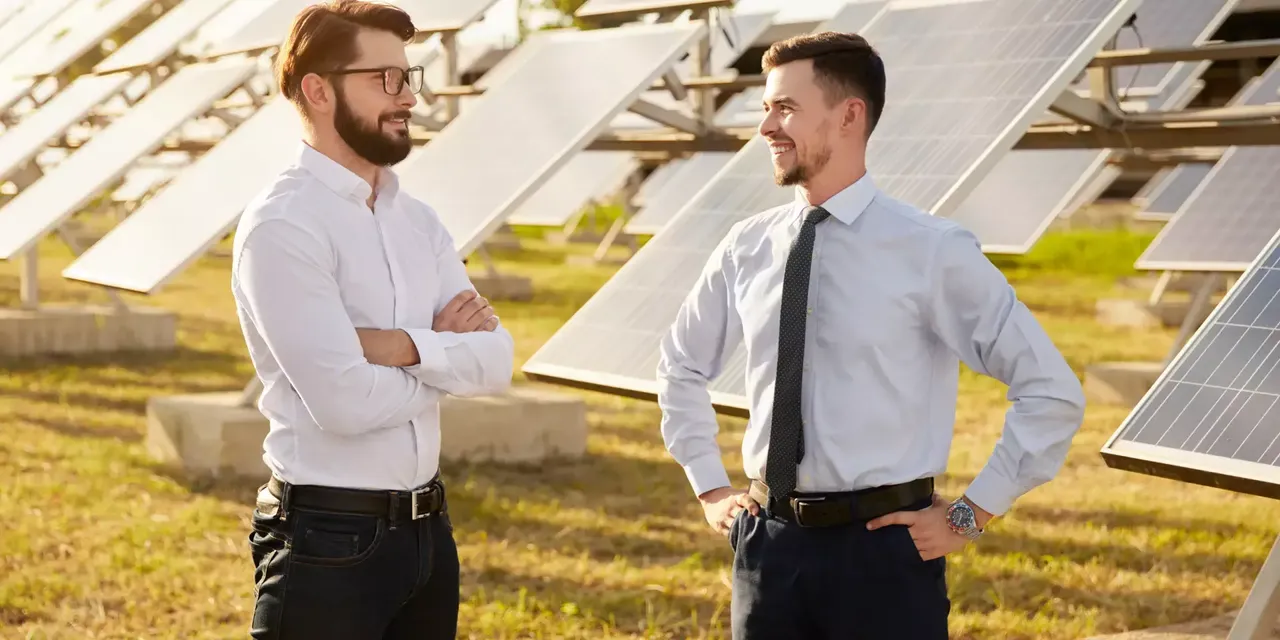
(413, 504)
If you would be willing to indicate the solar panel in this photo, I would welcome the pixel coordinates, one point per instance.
(1206, 420)
(269, 27)
(603, 8)
(105, 158)
(1010, 209)
(85, 35)
(588, 176)
(1227, 220)
(431, 16)
(554, 104)
(964, 80)
(265, 30)
(26, 29)
(8, 9)
(656, 179)
(161, 38)
(664, 203)
(202, 204)
(1172, 189)
(597, 175)
(21, 143)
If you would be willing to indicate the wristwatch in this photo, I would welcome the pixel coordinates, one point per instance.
(961, 519)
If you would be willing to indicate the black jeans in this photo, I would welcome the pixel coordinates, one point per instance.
(322, 575)
(829, 583)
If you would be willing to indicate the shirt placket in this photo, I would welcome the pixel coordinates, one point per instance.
(382, 217)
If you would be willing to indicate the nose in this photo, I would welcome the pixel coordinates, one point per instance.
(769, 124)
(406, 99)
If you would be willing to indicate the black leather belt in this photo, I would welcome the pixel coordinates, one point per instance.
(833, 509)
(394, 505)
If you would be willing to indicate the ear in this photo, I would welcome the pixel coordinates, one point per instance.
(317, 93)
(855, 109)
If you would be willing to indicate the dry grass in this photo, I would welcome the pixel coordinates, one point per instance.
(100, 542)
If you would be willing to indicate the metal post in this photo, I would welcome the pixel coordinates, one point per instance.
(29, 279)
(449, 41)
(703, 104)
(249, 397)
(1197, 311)
(1258, 616)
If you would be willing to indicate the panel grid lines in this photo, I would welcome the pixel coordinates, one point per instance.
(1028, 189)
(1216, 395)
(1226, 220)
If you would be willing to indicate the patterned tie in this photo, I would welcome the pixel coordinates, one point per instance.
(786, 435)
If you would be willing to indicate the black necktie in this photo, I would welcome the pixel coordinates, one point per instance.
(786, 437)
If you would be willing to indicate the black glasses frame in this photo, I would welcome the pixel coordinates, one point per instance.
(393, 78)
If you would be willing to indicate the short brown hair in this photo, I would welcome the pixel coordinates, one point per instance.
(844, 64)
(323, 37)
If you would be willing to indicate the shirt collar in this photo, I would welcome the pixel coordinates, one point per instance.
(342, 180)
(847, 204)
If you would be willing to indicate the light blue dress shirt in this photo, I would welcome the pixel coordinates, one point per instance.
(897, 299)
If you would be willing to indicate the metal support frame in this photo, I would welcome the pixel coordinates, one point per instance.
(1257, 617)
(615, 231)
(449, 51)
(252, 391)
(671, 118)
(1197, 312)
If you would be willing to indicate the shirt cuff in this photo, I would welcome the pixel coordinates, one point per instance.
(706, 473)
(431, 346)
(992, 492)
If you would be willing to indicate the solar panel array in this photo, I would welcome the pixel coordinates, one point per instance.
(1171, 190)
(106, 157)
(557, 101)
(598, 175)
(265, 30)
(664, 203)
(161, 38)
(75, 42)
(1227, 220)
(597, 8)
(1207, 419)
(432, 16)
(24, 141)
(26, 31)
(964, 81)
(1013, 206)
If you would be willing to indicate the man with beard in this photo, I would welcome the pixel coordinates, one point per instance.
(358, 315)
(856, 310)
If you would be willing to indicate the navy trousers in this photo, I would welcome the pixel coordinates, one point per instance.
(845, 582)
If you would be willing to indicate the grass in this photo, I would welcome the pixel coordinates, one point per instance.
(101, 542)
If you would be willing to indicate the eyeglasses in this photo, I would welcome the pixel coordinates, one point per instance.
(393, 78)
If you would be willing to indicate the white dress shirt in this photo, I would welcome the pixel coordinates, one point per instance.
(311, 263)
(897, 298)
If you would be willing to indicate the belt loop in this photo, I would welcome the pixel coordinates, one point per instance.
(285, 501)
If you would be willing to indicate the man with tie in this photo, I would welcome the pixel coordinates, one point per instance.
(359, 317)
(856, 310)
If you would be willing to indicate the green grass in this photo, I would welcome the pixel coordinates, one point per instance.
(101, 542)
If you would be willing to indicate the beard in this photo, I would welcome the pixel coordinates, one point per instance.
(371, 143)
(806, 166)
